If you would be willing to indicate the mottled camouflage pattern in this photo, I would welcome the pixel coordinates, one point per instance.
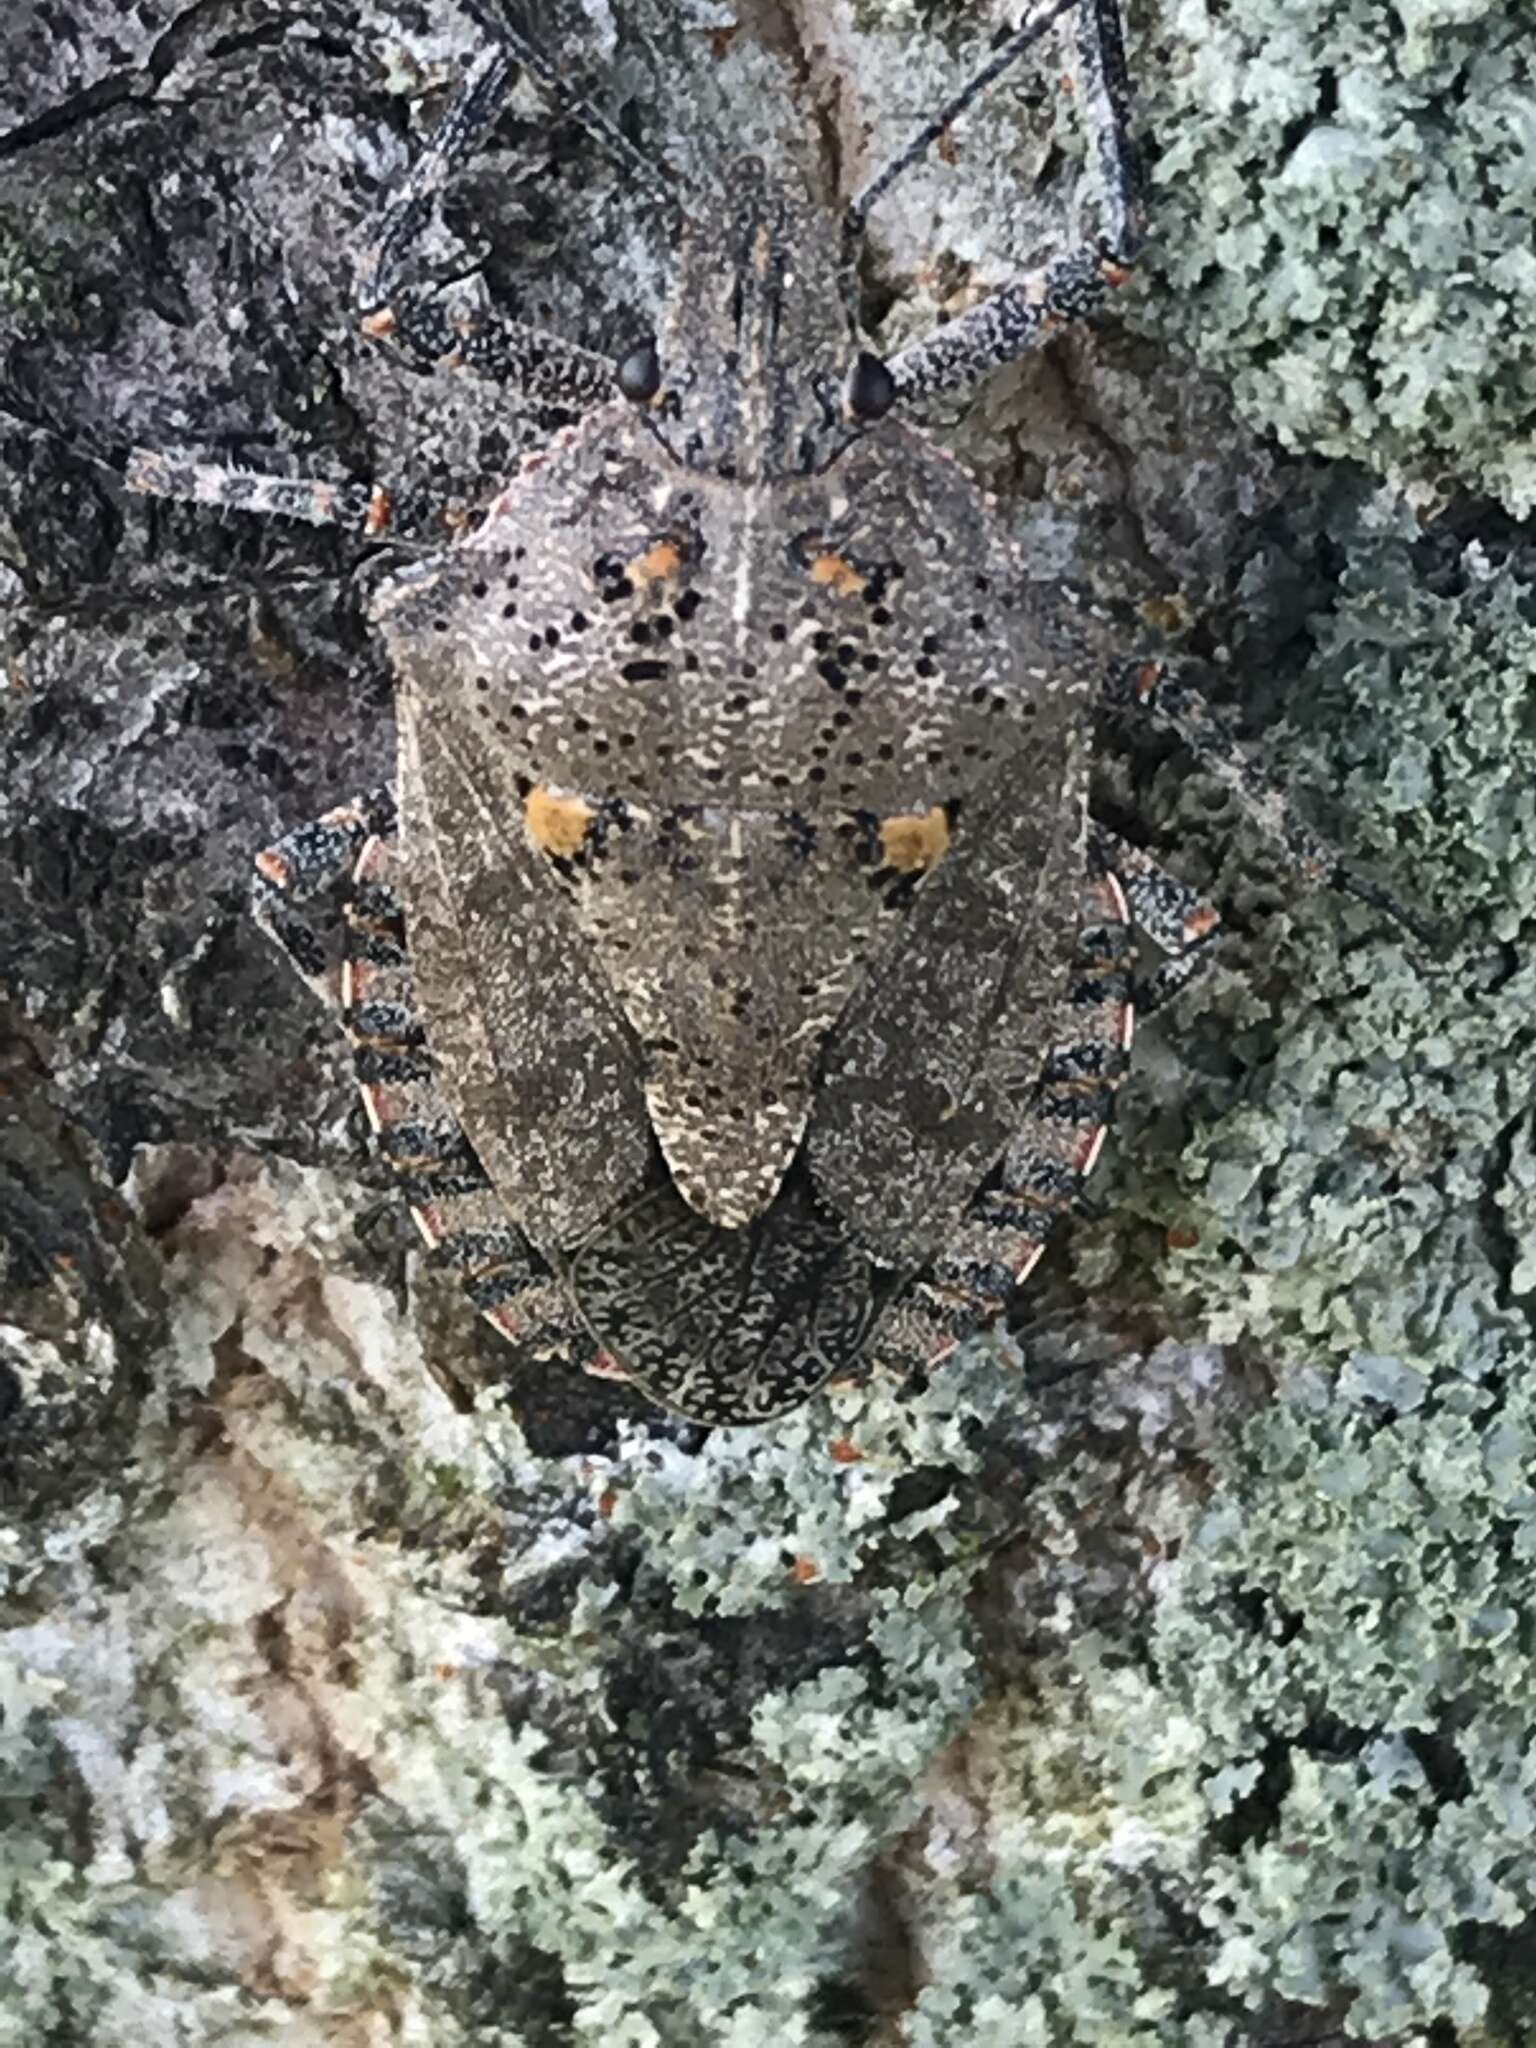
(743, 810)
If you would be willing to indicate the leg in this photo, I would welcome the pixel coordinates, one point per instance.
(360, 508)
(1149, 686)
(1009, 1224)
(415, 316)
(1021, 316)
(300, 865)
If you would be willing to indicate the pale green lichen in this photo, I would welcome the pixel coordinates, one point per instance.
(1342, 214)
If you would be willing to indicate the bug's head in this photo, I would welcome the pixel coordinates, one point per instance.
(758, 370)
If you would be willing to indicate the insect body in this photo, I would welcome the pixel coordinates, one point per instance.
(741, 990)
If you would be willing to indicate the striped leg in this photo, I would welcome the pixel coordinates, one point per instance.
(457, 1211)
(299, 866)
(430, 328)
(1149, 686)
(358, 508)
(1010, 1222)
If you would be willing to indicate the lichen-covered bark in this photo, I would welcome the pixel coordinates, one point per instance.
(1158, 1675)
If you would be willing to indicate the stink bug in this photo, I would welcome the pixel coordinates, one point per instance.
(736, 981)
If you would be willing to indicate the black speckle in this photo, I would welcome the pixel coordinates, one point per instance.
(645, 671)
(687, 604)
(778, 630)
(834, 677)
(924, 667)
(535, 642)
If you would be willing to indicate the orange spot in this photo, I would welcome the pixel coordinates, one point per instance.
(915, 840)
(557, 823)
(805, 1571)
(1182, 1239)
(445, 1670)
(661, 560)
(273, 868)
(607, 1500)
(836, 573)
(1148, 676)
(845, 1450)
(1114, 273)
(379, 323)
(1201, 921)
(381, 509)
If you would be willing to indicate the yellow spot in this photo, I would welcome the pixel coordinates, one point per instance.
(836, 573)
(915, 840)
(662, 559)
(557, 823)
(1168, 614)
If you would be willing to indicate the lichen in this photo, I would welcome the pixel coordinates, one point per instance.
(1342, 197)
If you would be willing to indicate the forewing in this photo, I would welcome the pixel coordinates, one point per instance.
(929, 1070)
(728, 1326)
(530, 1048)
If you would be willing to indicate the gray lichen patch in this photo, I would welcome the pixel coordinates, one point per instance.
(1343, 198)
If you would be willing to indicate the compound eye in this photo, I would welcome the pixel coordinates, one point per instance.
(870, 391)
(639, 375)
